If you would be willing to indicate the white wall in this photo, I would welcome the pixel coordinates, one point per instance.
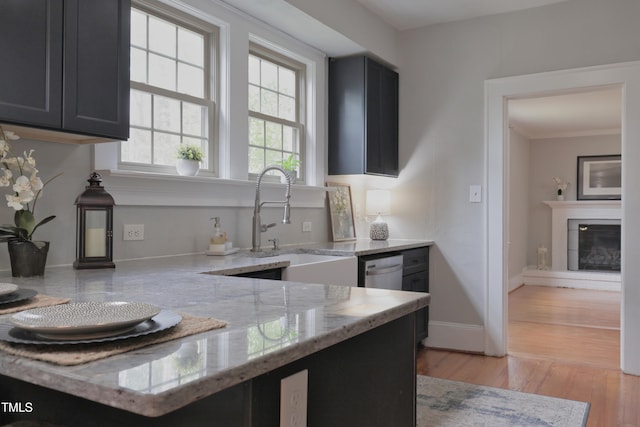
(442, 123)
(557, 157)
(519, 206)
(58, 196)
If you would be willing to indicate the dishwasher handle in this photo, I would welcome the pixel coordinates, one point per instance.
(383, 270)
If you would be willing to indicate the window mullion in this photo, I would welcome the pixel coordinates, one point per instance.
(153, 127)
(274, 119)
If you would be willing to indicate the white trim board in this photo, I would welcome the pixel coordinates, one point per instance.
(455, 336)
(151, 189)
(572, 279)
(497, 93)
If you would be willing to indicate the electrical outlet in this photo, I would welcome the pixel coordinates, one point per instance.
(306, 226)
(293, 400)
(133, 232)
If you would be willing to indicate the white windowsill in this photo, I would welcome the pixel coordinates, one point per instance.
(130, 188)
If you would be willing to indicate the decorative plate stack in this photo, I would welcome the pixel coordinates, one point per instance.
(11, 294)
(86, 322)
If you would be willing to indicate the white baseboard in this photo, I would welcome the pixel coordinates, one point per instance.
(572, 279)
(515, 282)
(455, 336)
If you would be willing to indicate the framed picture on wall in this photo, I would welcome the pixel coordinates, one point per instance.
(600, 177)
(341, 212)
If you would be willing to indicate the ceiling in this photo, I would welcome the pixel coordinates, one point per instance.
(410, 14)
(596, 111)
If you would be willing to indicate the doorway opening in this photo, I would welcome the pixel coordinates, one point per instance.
(497, 93)
(547, 134)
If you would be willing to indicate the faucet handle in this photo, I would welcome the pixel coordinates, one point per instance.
(276, 243)
(265, 227)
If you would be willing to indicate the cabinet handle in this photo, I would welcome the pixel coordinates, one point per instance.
(383, 270)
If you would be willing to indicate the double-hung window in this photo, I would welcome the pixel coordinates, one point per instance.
(276, 111)
(171, 91)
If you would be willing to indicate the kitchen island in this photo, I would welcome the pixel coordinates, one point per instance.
(355, 344)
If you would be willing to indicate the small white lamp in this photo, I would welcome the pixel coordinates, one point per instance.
(378, 203)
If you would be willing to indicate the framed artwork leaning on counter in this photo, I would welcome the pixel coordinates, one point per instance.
(341, 212)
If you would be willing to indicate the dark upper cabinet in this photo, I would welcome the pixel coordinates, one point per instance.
(66, 66)
(363, 117)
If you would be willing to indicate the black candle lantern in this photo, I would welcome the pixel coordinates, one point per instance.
(94, 226)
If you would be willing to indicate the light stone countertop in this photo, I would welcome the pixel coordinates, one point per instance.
(306, 317)
(362, 247)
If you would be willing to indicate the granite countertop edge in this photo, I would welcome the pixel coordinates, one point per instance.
(158, 405)
(130, 273)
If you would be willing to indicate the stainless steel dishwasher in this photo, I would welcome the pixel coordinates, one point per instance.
(382, 271)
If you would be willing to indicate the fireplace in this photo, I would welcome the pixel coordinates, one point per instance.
(593, 244)
(560, 273)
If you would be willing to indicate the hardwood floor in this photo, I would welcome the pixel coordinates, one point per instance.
(562, 343)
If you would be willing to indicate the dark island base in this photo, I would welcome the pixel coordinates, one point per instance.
(368, 380)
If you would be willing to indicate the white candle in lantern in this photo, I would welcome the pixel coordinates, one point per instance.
(94, 245)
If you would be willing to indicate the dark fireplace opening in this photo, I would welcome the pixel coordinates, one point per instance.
(594, 245)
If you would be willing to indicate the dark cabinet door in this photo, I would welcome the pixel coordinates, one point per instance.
(96, 73)
(382, 120)
(415, 278)
(66, 65)
(31, 72)
(419, 282)
(363, 117)
(347, 116)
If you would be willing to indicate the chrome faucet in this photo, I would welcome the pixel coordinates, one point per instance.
(258, 227)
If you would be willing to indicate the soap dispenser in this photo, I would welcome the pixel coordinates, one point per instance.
(218, 244)
(217, 237)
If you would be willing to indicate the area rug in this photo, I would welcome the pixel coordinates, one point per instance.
(444, 403)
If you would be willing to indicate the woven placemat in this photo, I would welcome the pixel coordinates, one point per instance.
(76, 354)
(34, 302)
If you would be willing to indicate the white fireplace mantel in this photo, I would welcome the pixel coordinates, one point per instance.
(561, 212)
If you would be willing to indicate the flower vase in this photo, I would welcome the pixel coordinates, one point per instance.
(28, 258)
(187, 167)
(560, 197)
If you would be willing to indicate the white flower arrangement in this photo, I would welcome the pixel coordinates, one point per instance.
(561, 186)
(20, 173)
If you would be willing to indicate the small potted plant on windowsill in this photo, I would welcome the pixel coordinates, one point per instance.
(290, 165)
(189, 158)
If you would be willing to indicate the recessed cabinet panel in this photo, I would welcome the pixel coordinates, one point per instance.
(31, 73)
(67, 66)
(97, 67)
(363, 117)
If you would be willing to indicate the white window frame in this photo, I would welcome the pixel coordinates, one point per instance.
(231, 188)
(211, 37)
(300, 69)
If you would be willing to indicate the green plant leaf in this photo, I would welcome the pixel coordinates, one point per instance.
(9, 232)
(24, 219)
(43, 222)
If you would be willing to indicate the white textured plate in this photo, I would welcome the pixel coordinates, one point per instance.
(164, 320)
(84, 318)
(7, 288)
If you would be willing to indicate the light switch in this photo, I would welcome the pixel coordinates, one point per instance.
(475, 193)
